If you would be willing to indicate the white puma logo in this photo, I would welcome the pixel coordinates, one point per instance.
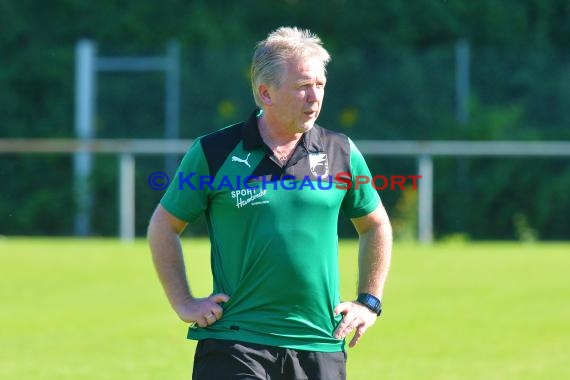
(242, 160)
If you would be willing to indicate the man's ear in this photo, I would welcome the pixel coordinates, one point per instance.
(264, 94)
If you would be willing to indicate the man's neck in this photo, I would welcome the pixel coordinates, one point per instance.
(274, 135)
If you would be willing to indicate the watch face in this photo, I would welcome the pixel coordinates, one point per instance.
(374, 302)
(371, 302)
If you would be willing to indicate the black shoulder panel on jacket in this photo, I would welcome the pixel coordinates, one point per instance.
(218, 145)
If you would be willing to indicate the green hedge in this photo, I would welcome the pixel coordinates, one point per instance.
(391, 77)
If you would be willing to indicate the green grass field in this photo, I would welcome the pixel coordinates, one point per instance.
(93, 309)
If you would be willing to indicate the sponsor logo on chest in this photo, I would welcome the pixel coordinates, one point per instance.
(251, 196)
(319, 164)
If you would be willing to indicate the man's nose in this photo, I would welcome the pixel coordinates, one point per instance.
(312, 94)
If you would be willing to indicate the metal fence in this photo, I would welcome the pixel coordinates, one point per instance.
(127, 150)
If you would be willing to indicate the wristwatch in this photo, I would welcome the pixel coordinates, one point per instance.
(371, 302)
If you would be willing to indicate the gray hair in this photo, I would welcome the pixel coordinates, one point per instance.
(281, 45)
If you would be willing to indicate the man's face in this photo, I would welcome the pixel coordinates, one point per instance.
(296, 104)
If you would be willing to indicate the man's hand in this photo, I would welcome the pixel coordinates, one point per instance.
(355, 316)
(202, 311)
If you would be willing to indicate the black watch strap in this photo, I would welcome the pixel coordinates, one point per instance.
(371, 302)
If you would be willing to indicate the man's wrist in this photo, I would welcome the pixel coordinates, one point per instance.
(371, 302)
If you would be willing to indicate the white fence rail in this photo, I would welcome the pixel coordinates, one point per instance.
(126, 150)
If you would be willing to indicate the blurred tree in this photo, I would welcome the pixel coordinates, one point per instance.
(391, 78)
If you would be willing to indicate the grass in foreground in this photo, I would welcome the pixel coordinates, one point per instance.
(93, 309)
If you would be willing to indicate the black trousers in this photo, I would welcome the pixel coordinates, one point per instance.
(229, 360)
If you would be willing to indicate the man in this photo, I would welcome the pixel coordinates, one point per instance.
(271, 189)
